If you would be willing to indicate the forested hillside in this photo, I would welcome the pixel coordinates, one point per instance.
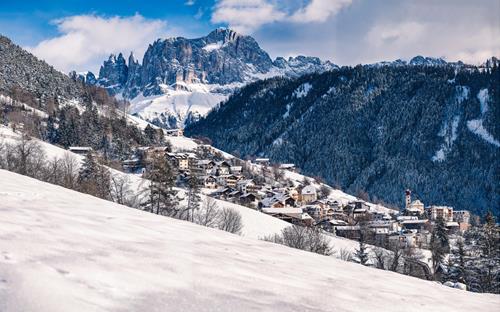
(381, 129)
(64, 111)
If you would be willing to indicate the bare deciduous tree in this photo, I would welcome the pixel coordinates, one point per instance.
(121, 192)
(304, 238)
(380, 258)
(230, 221)
(396, 255)
(69, 171)
(208, 214)
(345, 255)
(25, 157)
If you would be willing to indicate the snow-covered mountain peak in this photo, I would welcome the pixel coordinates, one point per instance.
(222, 60)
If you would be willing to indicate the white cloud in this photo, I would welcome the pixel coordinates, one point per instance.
(469, 43)
(319, 10)
(86, 40)
(189, 2)
(246, 15)
(249, 15)
(395, 35)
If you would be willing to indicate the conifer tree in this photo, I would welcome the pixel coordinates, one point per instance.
(93, 178)
(361, 253)
(193, 186)
(439, 244)
(51, 132)
(162, 197)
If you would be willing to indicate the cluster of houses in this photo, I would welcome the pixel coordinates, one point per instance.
(303, 203)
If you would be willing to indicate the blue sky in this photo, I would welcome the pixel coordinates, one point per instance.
(76, 34)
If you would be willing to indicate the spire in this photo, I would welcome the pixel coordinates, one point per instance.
(131, 59)
(407, 199)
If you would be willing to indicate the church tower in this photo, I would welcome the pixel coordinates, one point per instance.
(407, 199)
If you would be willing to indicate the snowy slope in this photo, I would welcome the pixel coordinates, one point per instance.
(476, 125)
(173, 107)
(135, 182)
(65, 251)
(257, 224)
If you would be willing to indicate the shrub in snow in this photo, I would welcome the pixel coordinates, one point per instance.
(304, 238)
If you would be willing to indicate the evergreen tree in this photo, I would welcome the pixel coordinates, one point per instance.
(67, 133)
(439, 244)
(150, 134)
(162, 197)
(488, 269)
(193, 186)
(361, 253)
(93, 178)
(51, 132)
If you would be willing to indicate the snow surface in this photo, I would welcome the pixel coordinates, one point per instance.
(476, 125)
(8, 100)
(196, 98)
(449, 133)
(213, 46)
(65, 251)
(302, 90)
(133, 181)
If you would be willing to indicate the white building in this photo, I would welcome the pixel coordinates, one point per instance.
(308, 194)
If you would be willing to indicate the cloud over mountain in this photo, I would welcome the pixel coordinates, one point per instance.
(84, 40)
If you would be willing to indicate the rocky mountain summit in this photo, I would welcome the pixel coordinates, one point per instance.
(222, 57)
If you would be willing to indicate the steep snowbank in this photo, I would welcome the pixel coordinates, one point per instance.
(65, 251)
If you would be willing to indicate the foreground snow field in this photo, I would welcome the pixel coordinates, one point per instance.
(65, 251)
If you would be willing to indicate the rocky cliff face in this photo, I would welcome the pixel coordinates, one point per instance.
(114, 72)
(222, 57)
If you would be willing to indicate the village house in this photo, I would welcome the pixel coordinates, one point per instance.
(210, 182)
(248, 199)
(409, 239)
(222, 193)
(237, 170)
(293, 193)
(443, 212)
(182, 161)
(381, 216)
(151, 152)
(222, 168)
(308, 194)
(231, 180)
(134, 165)
(277, 200)
(453, 227)
(292, 215)
(331, 225)
(207, 166)
(234, 195)
(80, 150)
(314, 211)
(381, 230)
(348, 231)
(290, 167)
(247, 186)
(262, 161)
(173, 132)
(415, 224)
(462, 217)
